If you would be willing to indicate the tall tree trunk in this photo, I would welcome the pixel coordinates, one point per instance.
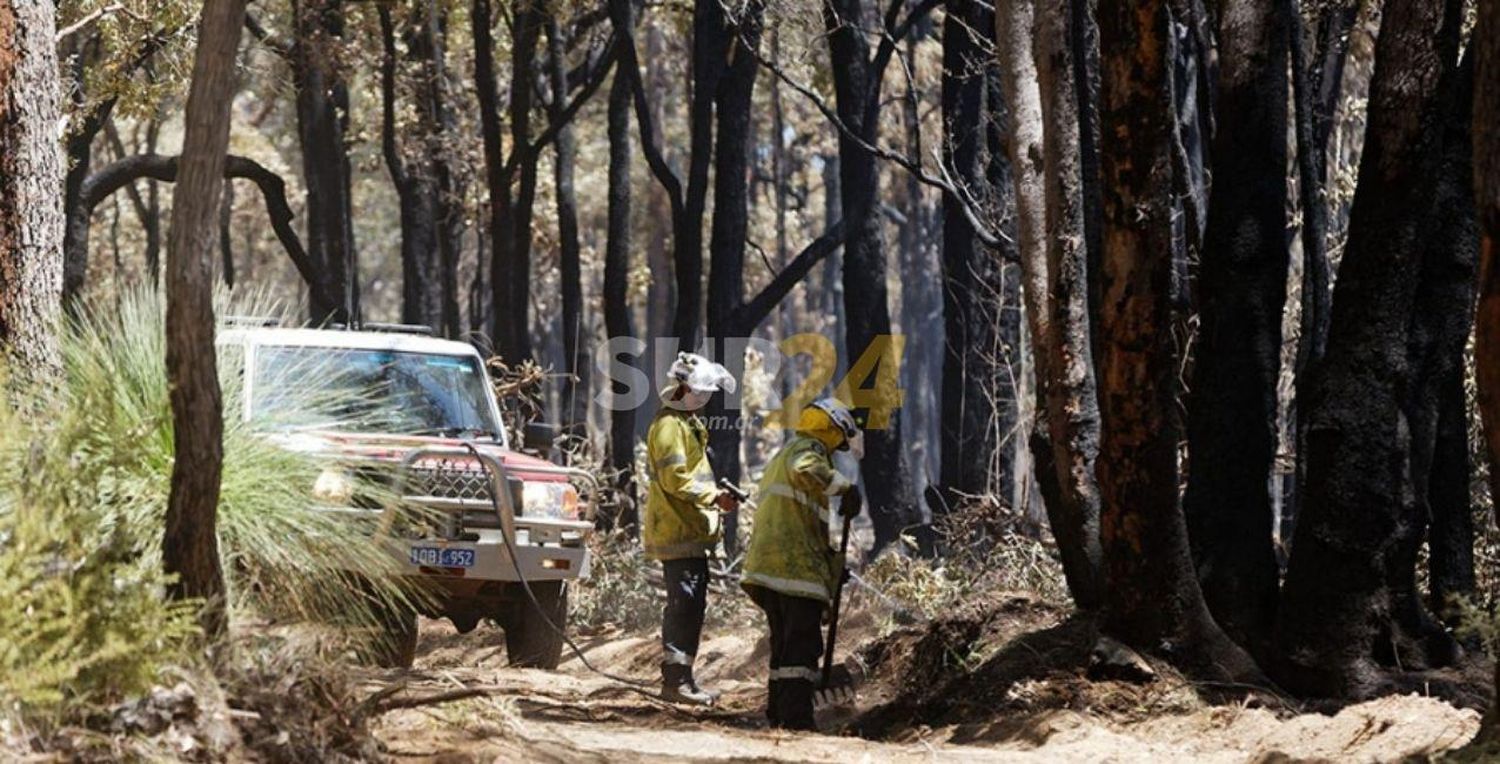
(1341, 620)
(31, 211)
(1083, 34)
(430, 43)
(970, 310)
(1443, 316)
(497, 182)
(729, 232)
(660, 215)
(1486, 136)
(322, 120)
(510, 284)
(416, 187)
(1317, 77)
(575, 391)
(190, 547)
(1231, 426)
(1071, 395)
(617, 322)
(867, 312)
(1152, 598)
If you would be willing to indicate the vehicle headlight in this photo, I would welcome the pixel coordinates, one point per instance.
(558, 501)
(334, 486)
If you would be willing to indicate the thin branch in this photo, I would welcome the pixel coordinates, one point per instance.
(989, 237)
(272, 188)
(752, 313)
(596, 79)
(629, 65)
(274, 42)
(388, 145)
(79, 25)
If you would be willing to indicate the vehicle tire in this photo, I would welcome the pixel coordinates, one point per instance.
(395, 643)
(529, 640)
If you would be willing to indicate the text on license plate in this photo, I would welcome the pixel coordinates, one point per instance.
(442, 558)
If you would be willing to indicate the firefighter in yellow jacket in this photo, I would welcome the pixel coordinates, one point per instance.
(790, 570)
(682, 525)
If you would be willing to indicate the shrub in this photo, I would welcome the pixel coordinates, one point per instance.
(88, 458)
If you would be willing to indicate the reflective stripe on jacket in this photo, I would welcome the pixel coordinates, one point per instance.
(789, 550)
(680, 520)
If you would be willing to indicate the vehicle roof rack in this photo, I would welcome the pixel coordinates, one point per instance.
(262, 321)
(376, 326)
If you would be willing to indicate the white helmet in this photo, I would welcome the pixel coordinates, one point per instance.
(692, 379)
(843, 418)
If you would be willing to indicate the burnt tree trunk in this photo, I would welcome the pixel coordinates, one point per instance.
(1317, 78)
(575, 391)
(1340, 628)
(494, 231)
(322, 120)
(416, 189)
(729, 230)
(190, 547)
(969, 433)
(857, 86)
(617, 320)
(1231, 424)
(510, 282)
(1152, 598)
(1437, 409)
(1486, 136)
(1071, 396)
(31, 170)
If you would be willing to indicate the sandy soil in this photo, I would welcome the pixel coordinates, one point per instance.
(576, 715)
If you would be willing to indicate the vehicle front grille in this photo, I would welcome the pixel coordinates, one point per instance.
(449, 480)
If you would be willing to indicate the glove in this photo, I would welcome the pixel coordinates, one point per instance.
(852, 502)
(726, 502)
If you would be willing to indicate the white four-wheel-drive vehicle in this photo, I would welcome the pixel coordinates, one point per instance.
(417, 415)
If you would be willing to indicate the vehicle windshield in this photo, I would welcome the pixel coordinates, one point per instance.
(376, 391)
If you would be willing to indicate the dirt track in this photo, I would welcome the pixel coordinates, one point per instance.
(574, 715)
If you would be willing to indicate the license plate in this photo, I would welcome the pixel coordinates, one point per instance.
(442, 558)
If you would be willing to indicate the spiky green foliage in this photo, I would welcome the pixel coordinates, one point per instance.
(89, 459)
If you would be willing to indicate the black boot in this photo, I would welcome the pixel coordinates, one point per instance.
(677, 686)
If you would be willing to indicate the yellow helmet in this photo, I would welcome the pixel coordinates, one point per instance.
(831, 422)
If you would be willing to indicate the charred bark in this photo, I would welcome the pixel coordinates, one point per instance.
(1342, 624)
(1152, 598)
(729, 231)
(416, 191)
(189, 545)
(1070, 390)
(617, 321)
(322, 120)
(1486, 136)
(970, 436)
(857, 77)
(510, 282)
(575, 391)
(31, 212)
(1440, 329)
(1231, 426)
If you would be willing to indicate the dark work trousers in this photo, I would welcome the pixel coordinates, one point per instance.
(682, 618)
(796, 647)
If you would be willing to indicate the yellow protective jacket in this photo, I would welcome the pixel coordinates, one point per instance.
(681, 520)
(789, 550)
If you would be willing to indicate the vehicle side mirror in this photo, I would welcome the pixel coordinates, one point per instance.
(539, 436)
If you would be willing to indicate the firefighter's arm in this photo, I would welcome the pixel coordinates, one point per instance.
(813, 473)
(668, 451)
